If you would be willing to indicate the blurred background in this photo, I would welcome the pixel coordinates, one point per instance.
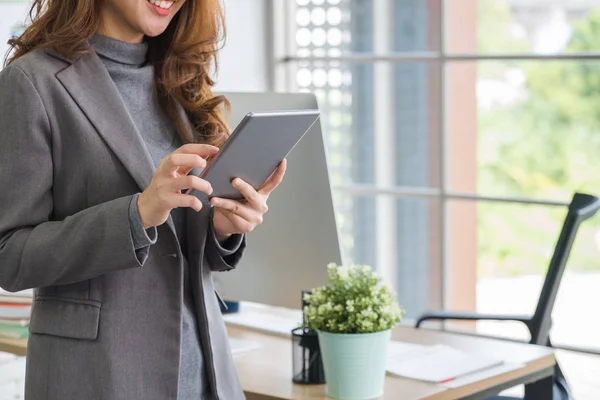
(457, 130)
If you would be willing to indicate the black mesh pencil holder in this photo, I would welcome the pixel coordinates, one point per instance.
(306, 357)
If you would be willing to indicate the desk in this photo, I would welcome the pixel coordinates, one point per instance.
(266, 373)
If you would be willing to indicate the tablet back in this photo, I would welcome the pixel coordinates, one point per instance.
(255, 148)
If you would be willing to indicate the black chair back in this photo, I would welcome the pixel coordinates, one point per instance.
(581, 208)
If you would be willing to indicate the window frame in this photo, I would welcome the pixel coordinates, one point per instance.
(283, 60)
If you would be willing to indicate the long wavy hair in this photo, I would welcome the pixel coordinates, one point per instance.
(182, 57)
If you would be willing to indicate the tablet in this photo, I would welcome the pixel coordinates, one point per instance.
(254, 150)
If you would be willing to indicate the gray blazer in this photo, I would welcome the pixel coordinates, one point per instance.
(106, 319)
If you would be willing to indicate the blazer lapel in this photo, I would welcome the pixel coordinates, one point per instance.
(92, 88)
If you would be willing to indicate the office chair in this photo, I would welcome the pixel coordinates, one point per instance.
(581, 208)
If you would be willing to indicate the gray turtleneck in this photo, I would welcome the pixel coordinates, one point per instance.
(134, 78)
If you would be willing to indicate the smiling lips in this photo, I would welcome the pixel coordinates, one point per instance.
(161, 7)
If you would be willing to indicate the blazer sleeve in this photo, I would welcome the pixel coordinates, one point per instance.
(35, 250)
(223, 257)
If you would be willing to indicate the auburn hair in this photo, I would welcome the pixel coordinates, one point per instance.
(182, 56)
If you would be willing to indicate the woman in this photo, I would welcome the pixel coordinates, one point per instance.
(106, 105)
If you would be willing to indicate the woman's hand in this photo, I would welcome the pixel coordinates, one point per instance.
(164, 191)
(234, 217)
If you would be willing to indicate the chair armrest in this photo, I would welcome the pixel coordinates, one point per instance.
(465, 316)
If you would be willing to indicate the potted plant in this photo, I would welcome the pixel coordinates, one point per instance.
(353, 316)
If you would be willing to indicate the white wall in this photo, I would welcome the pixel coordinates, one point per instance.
(12, 14)
(243, 63)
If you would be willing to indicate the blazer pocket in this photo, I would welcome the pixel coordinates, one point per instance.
(64, 317)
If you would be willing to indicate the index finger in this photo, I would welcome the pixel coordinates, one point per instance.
(203, 150)
(182, 162)
(274, 180)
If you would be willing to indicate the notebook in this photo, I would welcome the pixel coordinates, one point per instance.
(15, 300)
(24, 297)
(15, 322)
(23, 293)
(438, 364)
(13, 331)
(14, 311)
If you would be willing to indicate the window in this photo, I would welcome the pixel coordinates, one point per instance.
(382, 128)
(457, 131)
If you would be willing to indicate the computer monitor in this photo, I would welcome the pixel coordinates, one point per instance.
(290, 251)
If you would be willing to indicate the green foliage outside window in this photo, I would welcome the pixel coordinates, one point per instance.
(545, 144)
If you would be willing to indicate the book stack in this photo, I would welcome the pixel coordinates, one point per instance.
(15, 309)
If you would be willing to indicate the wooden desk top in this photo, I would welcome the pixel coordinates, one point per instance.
(266, 373)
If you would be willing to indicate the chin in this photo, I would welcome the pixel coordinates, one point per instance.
(155, 25)
(156, 29)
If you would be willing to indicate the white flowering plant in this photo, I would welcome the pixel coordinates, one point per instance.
(355, 300)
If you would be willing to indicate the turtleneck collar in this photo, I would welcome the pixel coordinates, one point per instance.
(118, 51)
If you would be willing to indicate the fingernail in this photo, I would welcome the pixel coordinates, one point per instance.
(214, 202)
(237, 182)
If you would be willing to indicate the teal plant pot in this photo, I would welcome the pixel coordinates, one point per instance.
(354, 364)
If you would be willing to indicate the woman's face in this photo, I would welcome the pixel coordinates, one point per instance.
(130, 20)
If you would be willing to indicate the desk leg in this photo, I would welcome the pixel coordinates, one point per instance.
(540, 390)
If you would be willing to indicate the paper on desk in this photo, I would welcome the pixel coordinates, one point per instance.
(436, 364)
(242, 345)
(481, 375)
(402, 350)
